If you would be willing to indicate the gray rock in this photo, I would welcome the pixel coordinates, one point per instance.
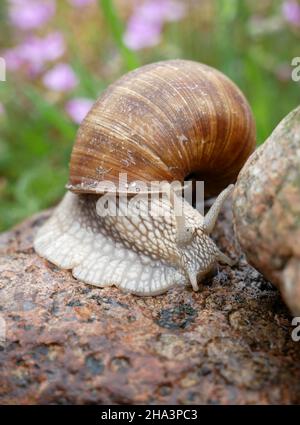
(267, 209)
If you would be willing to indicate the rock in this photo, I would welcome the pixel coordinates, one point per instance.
(267, 209)
(67, 342)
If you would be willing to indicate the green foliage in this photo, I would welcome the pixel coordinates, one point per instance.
(116, 27)
(32, 162)
(249, 42)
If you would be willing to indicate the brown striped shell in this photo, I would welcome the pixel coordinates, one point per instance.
(167, 121)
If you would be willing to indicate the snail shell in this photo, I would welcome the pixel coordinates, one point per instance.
(167, 121)
(163, 122)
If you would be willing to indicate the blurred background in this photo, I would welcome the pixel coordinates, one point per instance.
(61, 54)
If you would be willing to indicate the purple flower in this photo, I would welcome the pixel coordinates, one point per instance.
(37, 51)
(60, 78)
(145, 25)
(163, 10)
(81, 3)
(291, 12)
(34, 52)
(13, 59)
(78, 108)
(53, 45)
(142, 33)
(30, 14)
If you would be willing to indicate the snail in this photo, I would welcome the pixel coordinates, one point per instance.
(169, 121)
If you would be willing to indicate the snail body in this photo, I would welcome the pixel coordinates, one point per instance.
(139, 253)
(163, 122)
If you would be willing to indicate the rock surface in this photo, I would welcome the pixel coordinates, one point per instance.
(68, 342)
(267, 209)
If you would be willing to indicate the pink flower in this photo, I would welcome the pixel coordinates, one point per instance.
(142, 33)
(291, 12)
(13, 59)
(53, 45)
(60, 78)
(78, 108)
(37, 51)
(163, 10)
(30, 14)
(81, 3)
(145, 25)
(34, 52)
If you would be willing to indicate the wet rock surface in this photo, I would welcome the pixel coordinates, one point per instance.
(67, 342)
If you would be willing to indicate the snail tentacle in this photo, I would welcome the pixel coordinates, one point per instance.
(193, 281)
(212, 215)
(184, 232)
